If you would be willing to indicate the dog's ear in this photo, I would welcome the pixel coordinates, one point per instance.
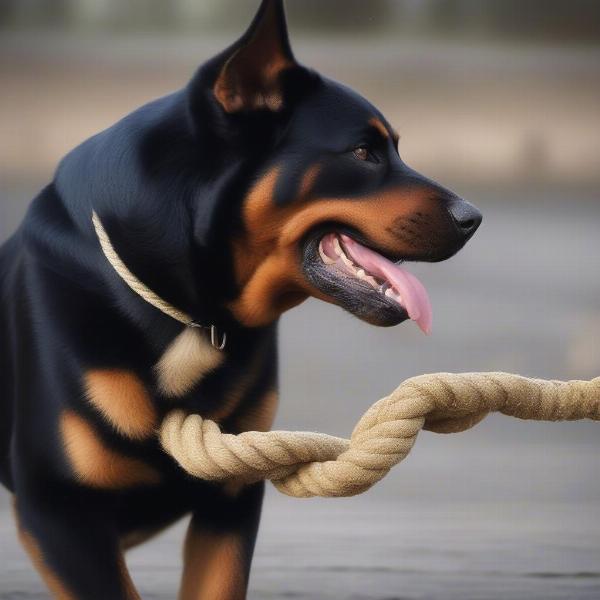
(250, 77)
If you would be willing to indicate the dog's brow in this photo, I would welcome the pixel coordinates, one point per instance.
(381, 128)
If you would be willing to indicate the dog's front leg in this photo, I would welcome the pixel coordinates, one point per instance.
(218, 547)
(75, 551)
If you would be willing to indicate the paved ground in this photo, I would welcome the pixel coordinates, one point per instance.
(369, 550)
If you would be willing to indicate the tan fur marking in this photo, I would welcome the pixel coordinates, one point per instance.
(122, 400)
(371, 215)
(94, 463)
(258, 262)
(267, 256)
(308, 181)
(213, 567)
(188, 358)
(274, 278)
(378, 124)
(58, 589)
(248, 248)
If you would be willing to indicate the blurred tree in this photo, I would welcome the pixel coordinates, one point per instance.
(560, 19)
(34, 12)
(340, 14)
(527, 19)
(531, 19)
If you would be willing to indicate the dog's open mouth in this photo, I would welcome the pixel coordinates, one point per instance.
(365, 282)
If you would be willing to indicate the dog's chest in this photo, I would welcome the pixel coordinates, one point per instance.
(235, 388)
(116, 447)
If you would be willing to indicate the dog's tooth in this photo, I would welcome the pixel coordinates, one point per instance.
(361, 274)
(337, 248)
(324, 257)
(347, 261)
(392, 293)
(371, 280)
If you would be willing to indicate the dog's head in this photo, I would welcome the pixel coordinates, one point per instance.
(270, 183)
(333, 209)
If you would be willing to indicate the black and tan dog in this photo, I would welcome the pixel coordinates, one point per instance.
(259, 184)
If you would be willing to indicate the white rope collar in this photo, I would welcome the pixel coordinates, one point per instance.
(144, 292)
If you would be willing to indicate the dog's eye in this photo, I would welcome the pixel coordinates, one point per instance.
(362, 153)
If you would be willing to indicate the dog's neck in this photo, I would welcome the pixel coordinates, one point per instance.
(218, 339)
(70, 251)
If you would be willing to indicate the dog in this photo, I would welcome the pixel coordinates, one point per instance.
(258, 185)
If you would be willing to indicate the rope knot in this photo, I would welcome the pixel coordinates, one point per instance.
(302, 463)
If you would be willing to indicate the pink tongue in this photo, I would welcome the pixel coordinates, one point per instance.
(414, 295)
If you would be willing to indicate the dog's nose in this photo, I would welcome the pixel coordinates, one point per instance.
(466, 217)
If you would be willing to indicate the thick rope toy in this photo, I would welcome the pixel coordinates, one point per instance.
(304, 464)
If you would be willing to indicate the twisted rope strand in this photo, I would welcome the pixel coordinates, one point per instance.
(302, 464)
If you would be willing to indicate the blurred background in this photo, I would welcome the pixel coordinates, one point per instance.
(498, 100)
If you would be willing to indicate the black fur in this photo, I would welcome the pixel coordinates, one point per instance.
(168, 182)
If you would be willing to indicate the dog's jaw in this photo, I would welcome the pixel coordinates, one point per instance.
(348, 260)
